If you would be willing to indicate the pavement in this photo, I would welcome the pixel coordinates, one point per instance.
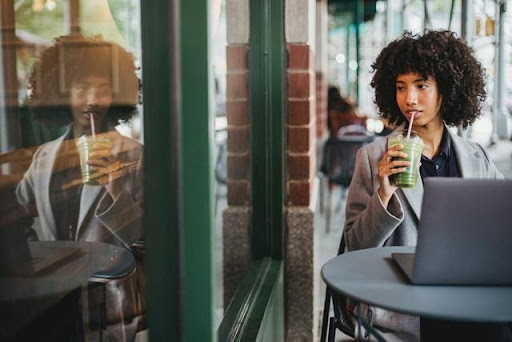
(326, 243)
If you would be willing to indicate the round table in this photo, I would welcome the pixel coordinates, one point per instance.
(371, 276)
(25, 298)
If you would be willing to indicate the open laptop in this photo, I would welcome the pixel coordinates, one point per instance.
(464, 234)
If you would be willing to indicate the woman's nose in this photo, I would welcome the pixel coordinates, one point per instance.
(92, 97)
(412, 97)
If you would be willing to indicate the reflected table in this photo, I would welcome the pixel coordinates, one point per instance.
(25, 298)
(370, 276)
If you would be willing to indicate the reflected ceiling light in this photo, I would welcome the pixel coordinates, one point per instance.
(352, 65)
(340, 58)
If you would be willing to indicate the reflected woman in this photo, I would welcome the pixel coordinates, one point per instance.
(85, 87)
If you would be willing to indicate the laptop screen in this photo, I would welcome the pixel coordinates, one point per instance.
(465, 232)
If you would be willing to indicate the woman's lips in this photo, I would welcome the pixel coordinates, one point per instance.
(89, 114)
(410, 113)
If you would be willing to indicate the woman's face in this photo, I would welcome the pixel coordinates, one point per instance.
(419, 96)
(91, 96)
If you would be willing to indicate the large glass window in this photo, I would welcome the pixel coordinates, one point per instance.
(232, 147)
(71, 173)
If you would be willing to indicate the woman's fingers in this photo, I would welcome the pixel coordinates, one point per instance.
(399, 163)
(396, 152)
(392, 161)
(105, 166)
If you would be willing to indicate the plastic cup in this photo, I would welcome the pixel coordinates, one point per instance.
(413, 146)
(90, 147)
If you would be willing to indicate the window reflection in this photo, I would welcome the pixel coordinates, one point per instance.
(71, 231)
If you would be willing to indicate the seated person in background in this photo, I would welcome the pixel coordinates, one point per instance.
(342, 113)
(435, 78)
(90, 85)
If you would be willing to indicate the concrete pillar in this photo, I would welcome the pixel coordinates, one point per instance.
(300, 28)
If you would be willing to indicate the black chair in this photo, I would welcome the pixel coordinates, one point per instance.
(337, 168)
(341, 319)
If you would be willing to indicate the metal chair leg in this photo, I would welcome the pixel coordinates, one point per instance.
(332, 329)
(325, 317)
(328, 210)
(321, 182)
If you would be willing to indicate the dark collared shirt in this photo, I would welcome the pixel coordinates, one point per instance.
(442, 165)
(65, 192)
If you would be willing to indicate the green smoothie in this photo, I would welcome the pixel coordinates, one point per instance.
(89, 147)
(413, 146)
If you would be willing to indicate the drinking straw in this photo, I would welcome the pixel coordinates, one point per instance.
(410, 126)
(93, 130)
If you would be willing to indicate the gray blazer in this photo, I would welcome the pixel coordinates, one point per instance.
(100, 219)
(369, 224)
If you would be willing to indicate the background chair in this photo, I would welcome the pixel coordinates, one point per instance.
(337, 168)
(341, 319)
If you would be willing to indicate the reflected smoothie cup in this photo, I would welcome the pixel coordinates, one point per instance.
(413, 146)
(90, 147)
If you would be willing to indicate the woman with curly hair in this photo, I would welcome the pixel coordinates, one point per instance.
(435, 80)
(71, 59)
(84, 87)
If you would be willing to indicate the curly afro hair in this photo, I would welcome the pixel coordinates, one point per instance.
(73, 57)
(439, 54)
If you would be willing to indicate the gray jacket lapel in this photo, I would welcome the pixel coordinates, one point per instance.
(47, 170)
(414, 196)
(89, 195)
(467, 157)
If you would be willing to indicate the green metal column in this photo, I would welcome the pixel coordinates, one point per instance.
(267, 63)
(277, 118)
(256, 311)
(179, 175)
(348, 89)
(358, 18)
(162, 216)
(198, 180)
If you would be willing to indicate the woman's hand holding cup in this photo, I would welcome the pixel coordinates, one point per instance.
(389, 165)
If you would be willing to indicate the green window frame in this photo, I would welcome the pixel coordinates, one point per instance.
(179, 181)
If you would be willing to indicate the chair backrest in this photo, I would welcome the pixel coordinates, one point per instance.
(339, 157)
(350, 130)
